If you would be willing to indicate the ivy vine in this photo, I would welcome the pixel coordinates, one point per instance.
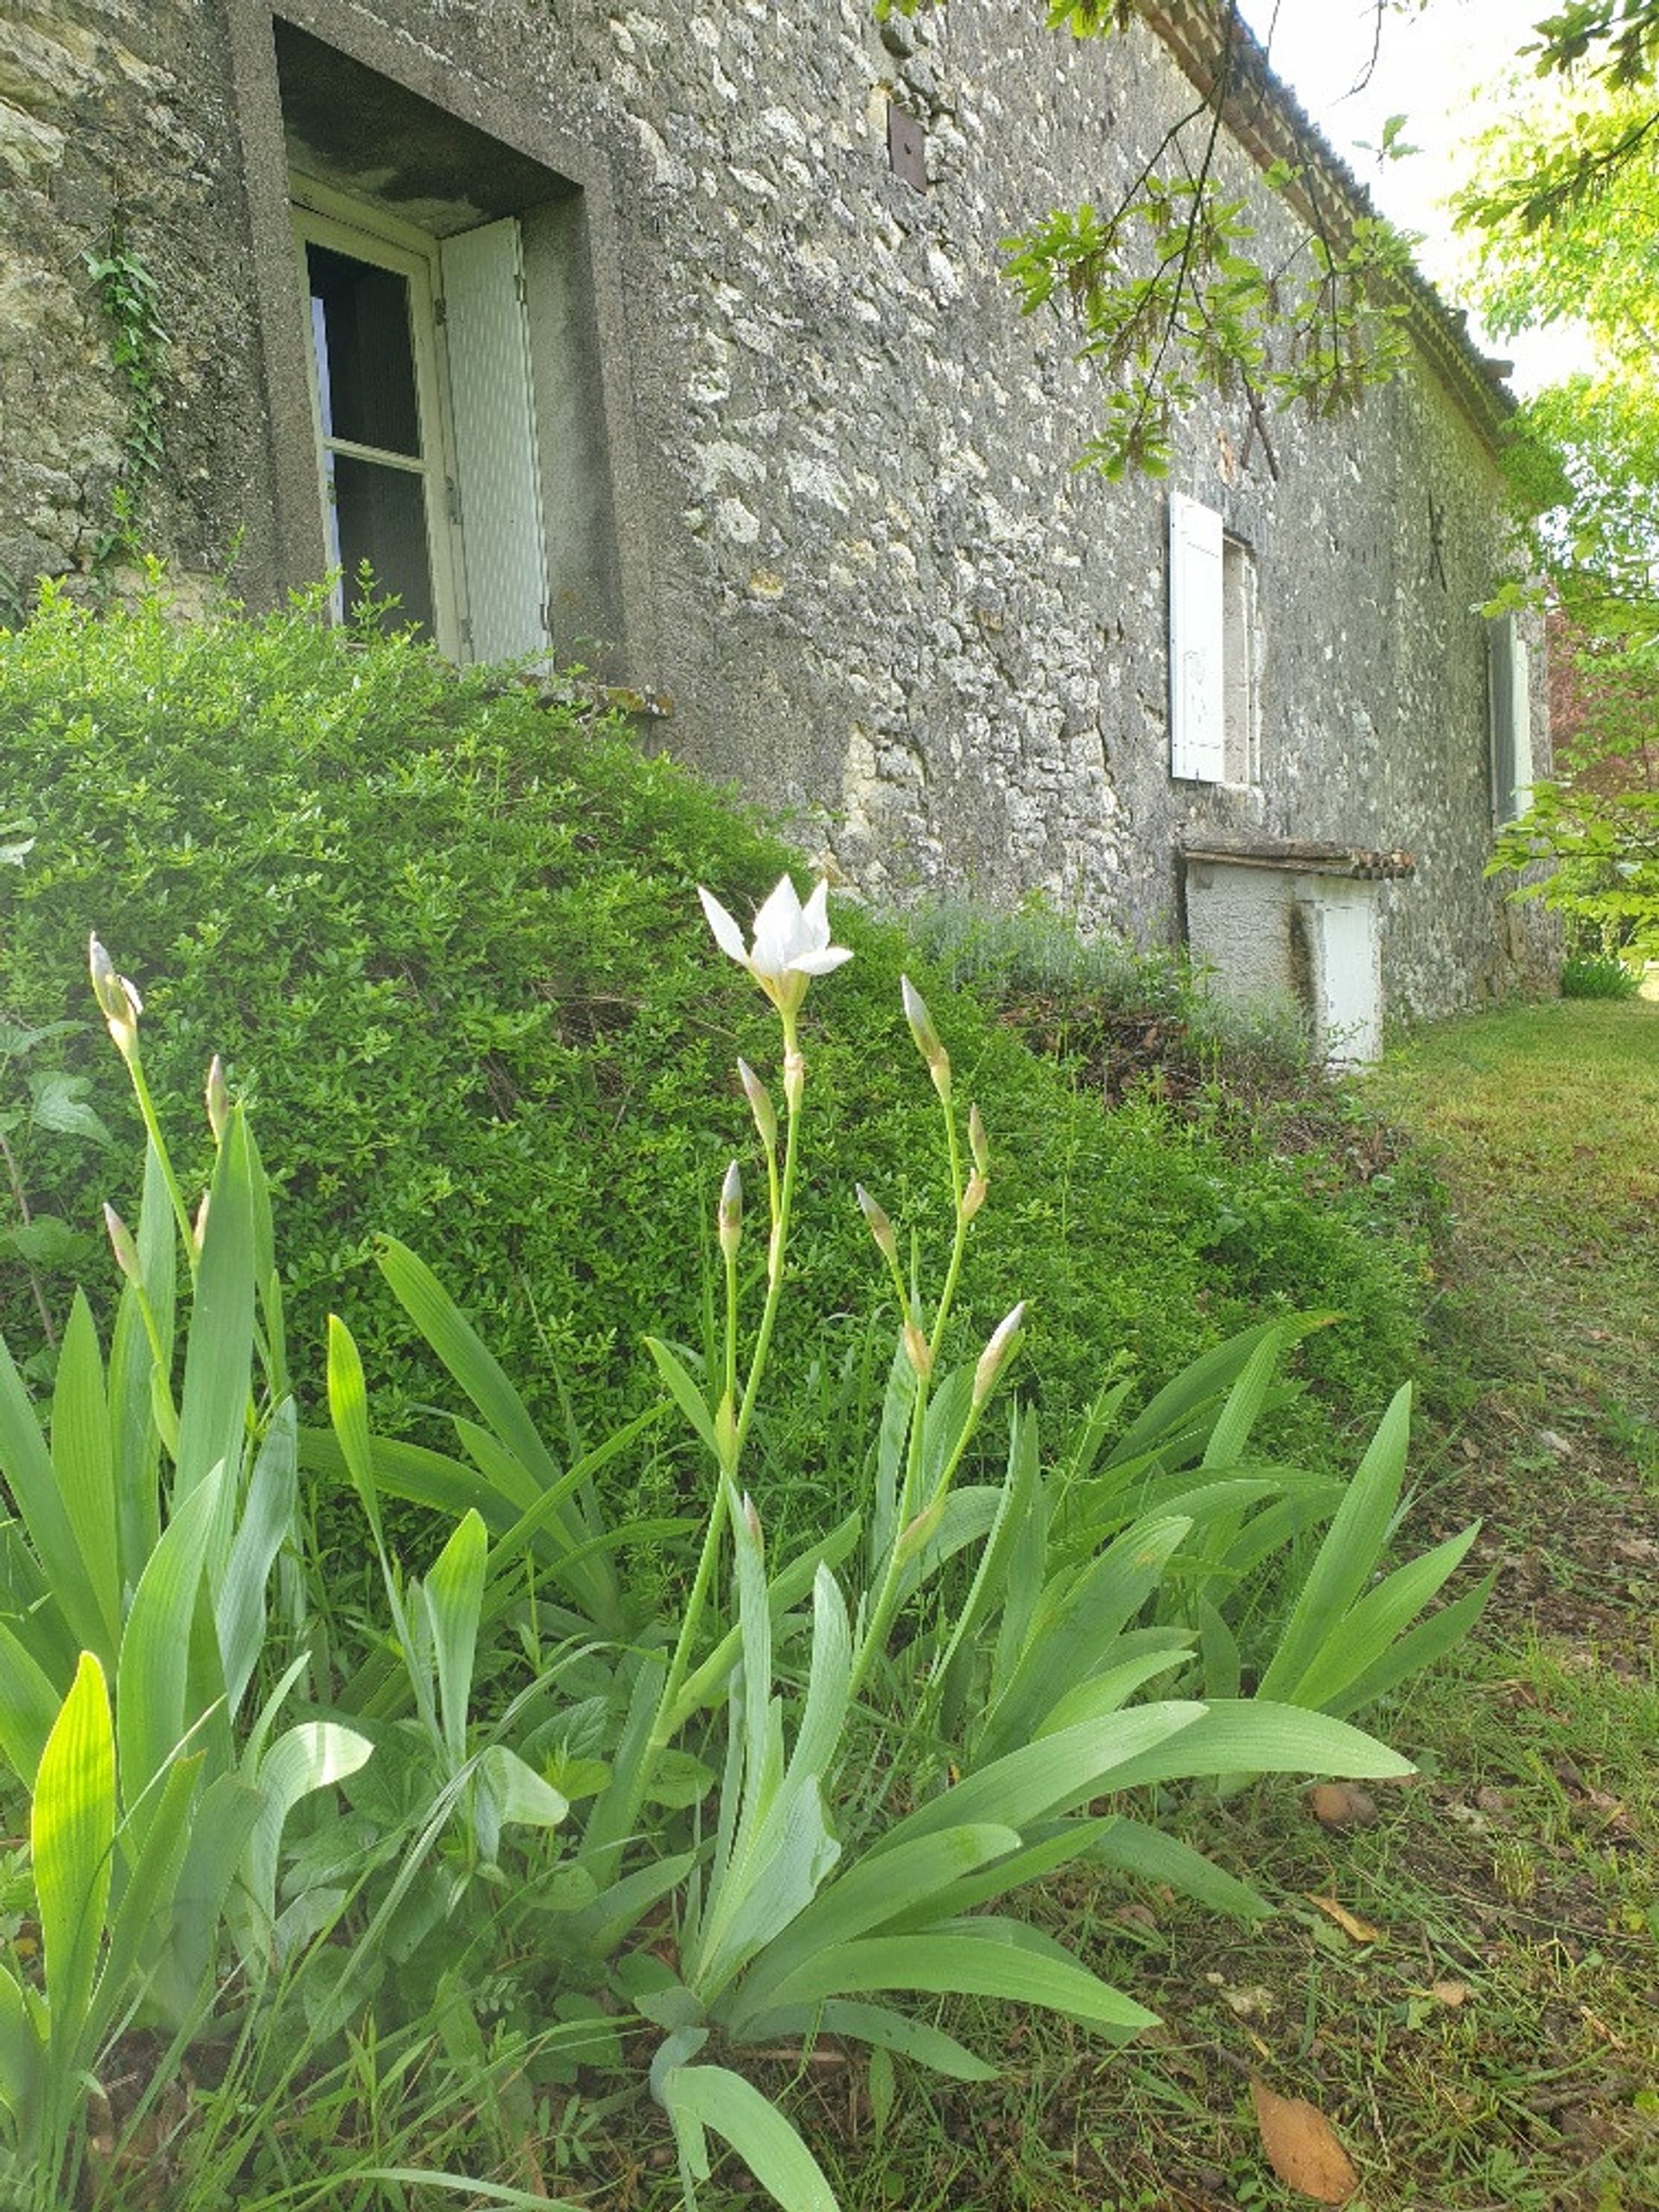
(131, 298)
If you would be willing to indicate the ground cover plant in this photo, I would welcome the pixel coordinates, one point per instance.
(800, 1785)
(441, 929)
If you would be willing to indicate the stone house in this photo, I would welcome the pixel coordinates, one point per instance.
(673, 339)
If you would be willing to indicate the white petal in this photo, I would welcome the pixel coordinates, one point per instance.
(727, 935)
(820, 963)
(816, 916)
(778, 931)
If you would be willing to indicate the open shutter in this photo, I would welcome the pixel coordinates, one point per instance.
(1511, 696)
(494, 418)
(1198, 718)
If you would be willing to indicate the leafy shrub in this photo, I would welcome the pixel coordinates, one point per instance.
(1597, 975)
(441, 929)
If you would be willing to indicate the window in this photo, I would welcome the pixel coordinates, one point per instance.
(1509, 679)
(424, 414)
(1212, 649)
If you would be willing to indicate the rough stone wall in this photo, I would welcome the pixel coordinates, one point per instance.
(878, 593)
(115, 114)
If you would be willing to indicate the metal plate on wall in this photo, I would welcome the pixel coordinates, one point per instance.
(906, 147)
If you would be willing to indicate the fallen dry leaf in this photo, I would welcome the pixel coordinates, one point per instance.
(1338, 1805)
(1351, 1924)
(1449, 1992)
(1302, 2146)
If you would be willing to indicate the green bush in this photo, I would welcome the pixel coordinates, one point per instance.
(443, 934)
(1597, 975)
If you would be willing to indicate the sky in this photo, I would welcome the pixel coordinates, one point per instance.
(1442, 70)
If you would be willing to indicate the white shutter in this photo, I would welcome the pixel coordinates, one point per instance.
(1511, 695)
(1198, 715)
(493, 419)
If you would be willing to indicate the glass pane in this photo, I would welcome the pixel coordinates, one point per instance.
(380, 516)
(365, 353)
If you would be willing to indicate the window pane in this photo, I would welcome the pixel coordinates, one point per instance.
(365, 357)
(380, 516)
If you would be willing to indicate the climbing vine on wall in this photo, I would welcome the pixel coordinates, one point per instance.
(131, 298)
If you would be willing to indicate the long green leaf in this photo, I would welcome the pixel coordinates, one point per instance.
(28, 1705)
(410, 1470)
(219, 1353)
(1345, 1559)
(155, 1653)
(1245, 1403)
(26, 1463)
(1367, 1630)
(463, 1352)
(1071, 1626)
(877, 2024)
(267, 1519)
(1163, 1859)
(1252, 1736)
(970, 1958)
(453, 1593)
(1035, 1859)
(144, 1923)
(869, 1894)
(1043, 1779)
(714, 2097)
(72, 1838)
(22, 2060)
(684, 1392)
(179, 1954)
(1420, 1647)
(83, 1462)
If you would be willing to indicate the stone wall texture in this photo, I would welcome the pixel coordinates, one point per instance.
(860, 561)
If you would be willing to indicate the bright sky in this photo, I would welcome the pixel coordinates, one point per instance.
(1437, 69)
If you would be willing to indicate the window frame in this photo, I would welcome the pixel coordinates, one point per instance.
(323, 217)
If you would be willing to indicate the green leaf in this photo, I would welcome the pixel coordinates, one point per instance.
(1164, 1860)
(1074, 1623)
(970, 1958)
(30, 1477)
(696, 2097)
(1252, 1736)
(145, 1920)
(519, 1792)
(1420, 1647)
(267, 1519)
(1368, 1628)
(679, 1781)
(1031, 1863)
(463, 1352)
(219, 1355)
(28, 1705)
(60, 1104)
(877, 1890)
(151, 1685)
(879, 2025)
(21, 2057)
(313, 1755)
(398, 1469)
(84, 1468)
(684, 1393)
(1043, 1779)
(72, 1838)
(453, 1592)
